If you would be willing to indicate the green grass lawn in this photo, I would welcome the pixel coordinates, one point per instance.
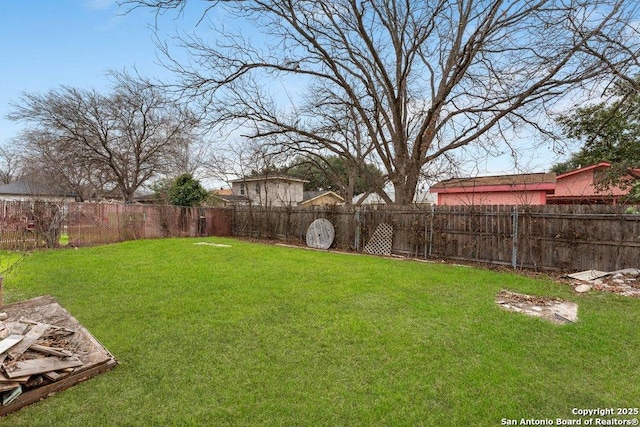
(266, 335)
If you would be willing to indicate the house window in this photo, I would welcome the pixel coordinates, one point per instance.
(257, 188)
(243, 189)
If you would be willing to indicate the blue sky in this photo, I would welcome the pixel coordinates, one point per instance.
(47, 43)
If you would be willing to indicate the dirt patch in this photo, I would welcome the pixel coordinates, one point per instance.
(551, 309)
(218, 245)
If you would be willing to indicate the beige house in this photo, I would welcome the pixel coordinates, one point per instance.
(272, 190)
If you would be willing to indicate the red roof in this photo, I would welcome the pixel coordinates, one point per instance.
(584, 169)
(544, 181)
(576, 185)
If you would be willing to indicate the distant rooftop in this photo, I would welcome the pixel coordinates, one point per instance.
(480, 181)
(274, 177)
(27, 188)
(310, 195)
(222, 192)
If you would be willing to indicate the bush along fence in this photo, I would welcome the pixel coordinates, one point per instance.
(562, 237)
(29, 225)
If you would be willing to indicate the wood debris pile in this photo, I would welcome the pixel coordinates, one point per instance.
(552, 309)
(44, 350)
(622, 282)
(32, 354)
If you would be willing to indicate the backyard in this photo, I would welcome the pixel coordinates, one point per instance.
(213, 331)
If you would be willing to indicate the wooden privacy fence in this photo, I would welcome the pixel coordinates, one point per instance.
(28, 225)
(564, 237)
(90, 223)
(571, 237)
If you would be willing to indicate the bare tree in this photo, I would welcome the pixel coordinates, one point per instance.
(10, 164)
(620, 51)
(44, 161)
(100, 142)
(422, 78)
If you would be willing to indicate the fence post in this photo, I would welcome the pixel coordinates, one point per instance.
(356, 243)
(514, 234)
(433, 217)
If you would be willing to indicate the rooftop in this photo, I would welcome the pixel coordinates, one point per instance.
(508, 180)
(274, 177)
(27, 188)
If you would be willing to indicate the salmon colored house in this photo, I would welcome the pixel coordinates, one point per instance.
(521, 189)
(580, 187)
(575, 187)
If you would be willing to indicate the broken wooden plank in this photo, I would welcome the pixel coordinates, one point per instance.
(55, 375)
(9, 342)
(6, 379)
(58, 328)
(52, 351)
(8, 386)
(38, 366)
(31, 337)
(49, 389)
(588, 275)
